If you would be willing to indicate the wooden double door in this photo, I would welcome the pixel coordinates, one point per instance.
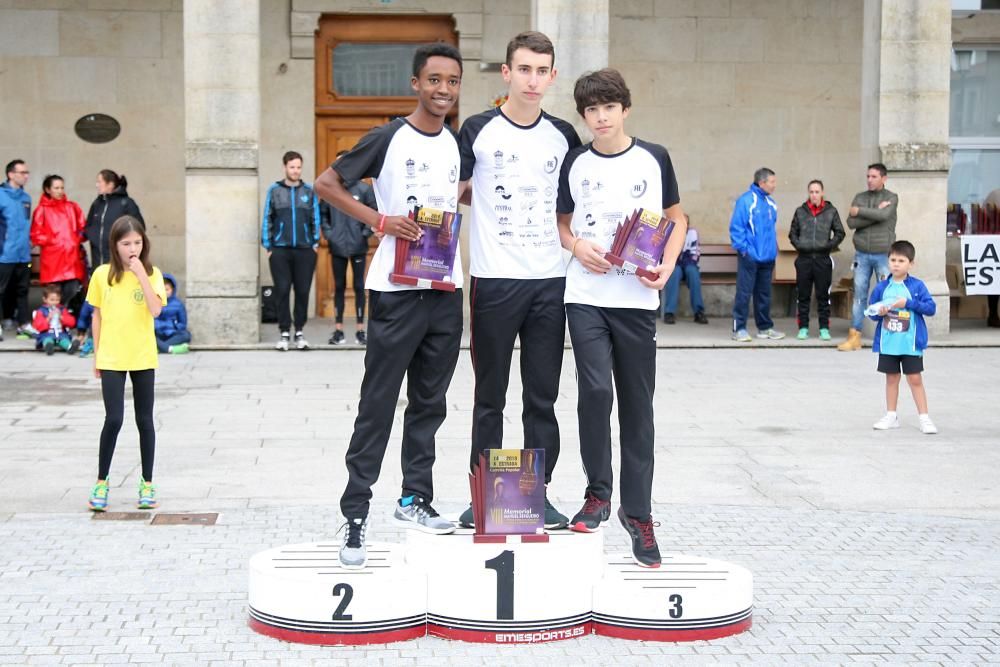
(363, 68)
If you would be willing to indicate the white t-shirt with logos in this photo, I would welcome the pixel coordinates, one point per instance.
(409, 168)
(601, 191)
(514, 171)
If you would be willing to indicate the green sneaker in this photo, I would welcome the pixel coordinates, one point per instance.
(824, 334)
(179, 349)
(99, 496)
(147, 495)
(803, 334)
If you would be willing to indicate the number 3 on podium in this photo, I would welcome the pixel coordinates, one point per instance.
(504, 567)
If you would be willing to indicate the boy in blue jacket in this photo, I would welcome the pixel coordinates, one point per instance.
(172, 335)
(898, 305)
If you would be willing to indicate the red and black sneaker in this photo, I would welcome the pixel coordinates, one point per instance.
(644, 549)
(593, 513)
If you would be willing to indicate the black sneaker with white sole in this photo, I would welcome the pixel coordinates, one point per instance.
(554, 519)
(594, 512)
(645, 552)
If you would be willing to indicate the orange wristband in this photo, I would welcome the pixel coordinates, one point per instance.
(381, 224)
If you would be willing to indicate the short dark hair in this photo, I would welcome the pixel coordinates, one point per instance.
(424, 53)
(879, 167)
(817, 182)
(49, 180)
(51, 288)
(291, 155)
(601, 87)
(904, 248)
(533, 41)
(762, 175)
(12, 165)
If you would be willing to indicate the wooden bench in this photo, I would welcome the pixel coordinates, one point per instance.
(718, 264)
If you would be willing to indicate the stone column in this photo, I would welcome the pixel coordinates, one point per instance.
(222, 133)
(579, 31)
(914, 46)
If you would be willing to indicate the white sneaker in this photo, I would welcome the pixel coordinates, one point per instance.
(927, 426)
(353, 550)
(282, 343)
(300, 341)
(888, 421)
(770, 334)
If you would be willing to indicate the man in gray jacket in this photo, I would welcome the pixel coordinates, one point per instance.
(873, 218)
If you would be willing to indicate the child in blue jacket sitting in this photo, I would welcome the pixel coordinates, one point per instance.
(172, 335)
(898, 305)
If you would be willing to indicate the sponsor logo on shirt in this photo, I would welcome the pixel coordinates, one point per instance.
(550, 165)
(502, 192)
(138, 296)
(498, 159)
(410, 168)
(453, 174)
(304, 198)
(639, 189)
(503, 208)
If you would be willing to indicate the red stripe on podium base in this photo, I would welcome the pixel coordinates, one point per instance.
(503, 636)
(654, 635)
(338, 638)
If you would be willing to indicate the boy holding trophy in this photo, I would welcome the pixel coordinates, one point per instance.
(619, 212)
(413, 329)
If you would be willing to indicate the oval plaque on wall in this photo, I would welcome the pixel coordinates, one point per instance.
(97, 128)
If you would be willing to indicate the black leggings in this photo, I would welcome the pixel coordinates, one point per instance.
(113, 391)
(340, 280)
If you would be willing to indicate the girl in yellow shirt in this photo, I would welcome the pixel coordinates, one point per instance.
(127, 294)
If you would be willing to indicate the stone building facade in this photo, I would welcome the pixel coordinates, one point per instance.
(210, 94)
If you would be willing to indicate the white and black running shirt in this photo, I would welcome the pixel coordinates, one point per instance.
(600, 191)
(515, 174)
(410, 168)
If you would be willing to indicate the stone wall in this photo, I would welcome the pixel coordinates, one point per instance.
(60, 60)
(732, 85)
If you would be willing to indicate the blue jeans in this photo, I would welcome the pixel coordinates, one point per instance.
(866, 264)
(753, 279)
(671, 291)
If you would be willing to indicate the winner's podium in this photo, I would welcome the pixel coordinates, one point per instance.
(511, 591)
(300, 593)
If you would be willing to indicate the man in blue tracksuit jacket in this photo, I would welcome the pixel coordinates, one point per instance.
(15, 244)
(290, 235)
(752, 235)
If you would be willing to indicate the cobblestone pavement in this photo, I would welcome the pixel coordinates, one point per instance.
(865, 547)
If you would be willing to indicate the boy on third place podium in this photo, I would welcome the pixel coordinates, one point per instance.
(612, 313)
(413, 331)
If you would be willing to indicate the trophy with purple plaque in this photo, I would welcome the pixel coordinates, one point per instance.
(430, 261)
(639, 242)
(508, 494)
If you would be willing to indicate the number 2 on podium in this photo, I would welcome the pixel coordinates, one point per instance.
(503, 564)
(348, 593)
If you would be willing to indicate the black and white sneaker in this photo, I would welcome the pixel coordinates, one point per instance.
(554, 519)
(594, 512)
(361, 337)
(645, 552)
(300, 341)
(337, 338)
(467, 519)
(353, 553)
(282, 344)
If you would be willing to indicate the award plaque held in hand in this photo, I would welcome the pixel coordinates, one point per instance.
(430, 261)
(508, 495)
(639, 242)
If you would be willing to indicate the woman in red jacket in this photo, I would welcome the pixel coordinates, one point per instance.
(57, 228)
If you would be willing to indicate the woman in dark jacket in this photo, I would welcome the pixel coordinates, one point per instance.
(816, 232)
(112, 203)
